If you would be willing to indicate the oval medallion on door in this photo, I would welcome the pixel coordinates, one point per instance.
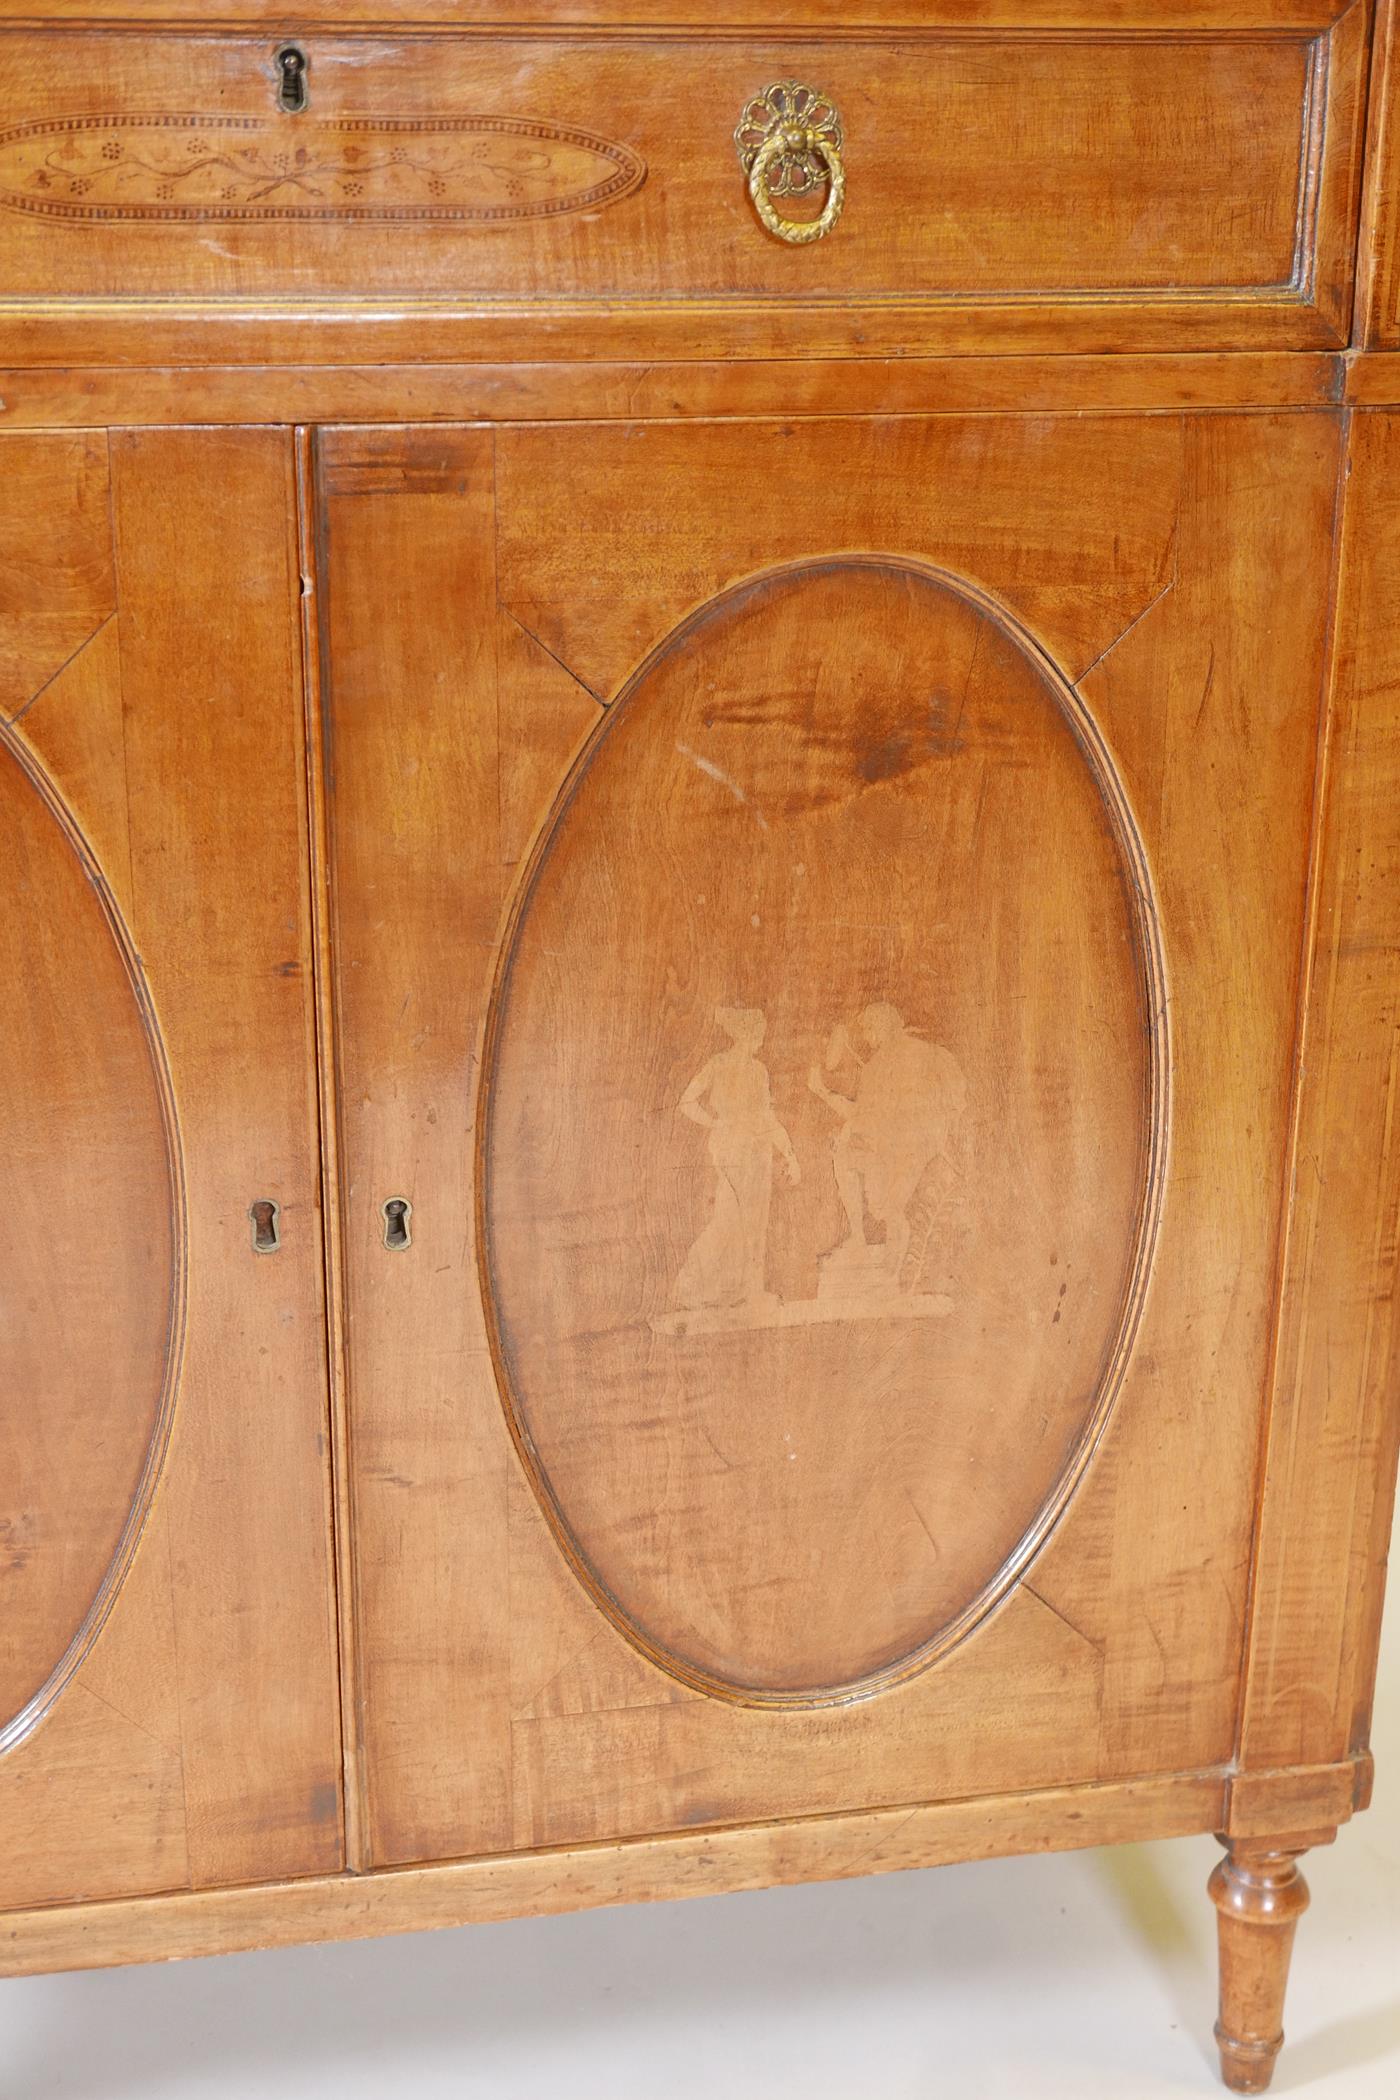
(91, 1248)
(821, 1130)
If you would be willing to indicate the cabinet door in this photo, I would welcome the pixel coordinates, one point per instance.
(168, 1708)
(817, 914)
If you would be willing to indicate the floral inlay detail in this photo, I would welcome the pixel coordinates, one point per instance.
(475, 169)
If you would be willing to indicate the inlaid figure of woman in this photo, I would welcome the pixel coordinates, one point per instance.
(730, 1097)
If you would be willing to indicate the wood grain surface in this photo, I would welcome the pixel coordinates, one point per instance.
(782, 875)
(50, 397)
(197, 1742)
(93, 1247)
(1329, 1488)
(787, 1163)
(1163, 177)
(736, 17)
(357, 1906)
(1125, 546)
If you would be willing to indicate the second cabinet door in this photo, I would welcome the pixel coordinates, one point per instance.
(816, 923)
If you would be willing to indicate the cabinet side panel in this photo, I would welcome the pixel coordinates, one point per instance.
(1377, 322)
(1330, 1468)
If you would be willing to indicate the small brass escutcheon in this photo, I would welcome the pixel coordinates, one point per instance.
(291, 79)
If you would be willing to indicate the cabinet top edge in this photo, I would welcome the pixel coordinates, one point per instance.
(775, 19)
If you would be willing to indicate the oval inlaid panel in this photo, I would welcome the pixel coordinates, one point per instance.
(169, 165)
(821, 1131)
(89, 1249)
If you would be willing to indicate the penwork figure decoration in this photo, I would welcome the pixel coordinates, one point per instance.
(900, 1116)
(908, 1096)
(731, 1097)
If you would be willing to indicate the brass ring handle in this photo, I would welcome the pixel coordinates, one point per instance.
(789, 140)
(798, 230)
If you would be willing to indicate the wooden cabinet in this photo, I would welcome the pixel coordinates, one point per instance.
(701, 1000)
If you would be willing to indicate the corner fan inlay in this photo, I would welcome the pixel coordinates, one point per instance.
(169, 166)
(822, 1131)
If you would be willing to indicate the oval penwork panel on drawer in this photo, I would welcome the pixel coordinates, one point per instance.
(803, 1207)
(1131, 185)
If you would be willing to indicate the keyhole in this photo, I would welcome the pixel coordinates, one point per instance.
(267, 1236)
(397, 1212)
(291, 79)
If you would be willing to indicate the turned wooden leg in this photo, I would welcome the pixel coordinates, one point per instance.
(1260, 1895)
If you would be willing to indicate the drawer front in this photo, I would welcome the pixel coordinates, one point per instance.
(1166, 182)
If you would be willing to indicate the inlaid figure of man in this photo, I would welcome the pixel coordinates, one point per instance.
(908, 1097)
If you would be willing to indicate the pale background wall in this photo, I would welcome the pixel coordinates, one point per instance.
(1089, 1976)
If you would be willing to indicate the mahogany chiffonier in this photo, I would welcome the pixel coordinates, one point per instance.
(700, 770)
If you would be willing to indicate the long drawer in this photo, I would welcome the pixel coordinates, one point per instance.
(1193, 182)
